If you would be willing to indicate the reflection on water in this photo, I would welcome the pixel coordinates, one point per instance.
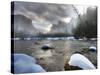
(53, 59)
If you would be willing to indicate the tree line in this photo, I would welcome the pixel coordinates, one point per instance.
(87, 24)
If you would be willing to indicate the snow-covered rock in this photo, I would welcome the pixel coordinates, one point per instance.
(23, 63)
(92, 48)
(81, 61)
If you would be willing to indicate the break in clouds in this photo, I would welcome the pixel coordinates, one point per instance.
(35, 18)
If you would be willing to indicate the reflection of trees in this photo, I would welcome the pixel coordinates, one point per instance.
(87, 24)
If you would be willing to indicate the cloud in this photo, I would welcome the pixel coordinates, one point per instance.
(42, 26)
(45, 17)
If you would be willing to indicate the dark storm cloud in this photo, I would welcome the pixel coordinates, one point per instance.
(47, 11)
(43, 12)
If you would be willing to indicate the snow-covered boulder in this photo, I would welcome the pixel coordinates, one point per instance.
(22, 63)
(81, 61)
(92, 48)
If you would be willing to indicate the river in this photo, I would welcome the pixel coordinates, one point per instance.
(54, 60)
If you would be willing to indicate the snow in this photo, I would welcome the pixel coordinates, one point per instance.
(25, 64)
(92, 48)
(81, 61)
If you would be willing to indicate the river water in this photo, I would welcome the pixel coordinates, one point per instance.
(54, 60)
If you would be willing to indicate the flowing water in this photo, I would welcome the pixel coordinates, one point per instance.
(54, 59)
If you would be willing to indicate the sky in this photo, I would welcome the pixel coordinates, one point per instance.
(45, 18)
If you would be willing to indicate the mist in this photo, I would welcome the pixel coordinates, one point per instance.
(44, 18)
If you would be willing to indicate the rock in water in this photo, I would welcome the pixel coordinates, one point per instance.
(22, 67)
(81, 61)
(46, 47)
(92, 49)
(23, 63)
(23, 57)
